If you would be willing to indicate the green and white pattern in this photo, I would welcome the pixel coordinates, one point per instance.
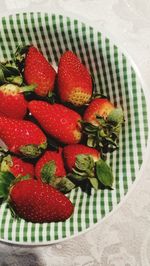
(114, 77)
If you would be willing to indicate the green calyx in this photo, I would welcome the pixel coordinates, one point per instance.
(20, 53)
(105, 135)
(32, 150)
(9, 73)
(48, 172)
(84, 167)
(62, 184)
(6, 181)
(98, 175)
(28, 88)
(6, 163)
(12, 71)
(104, 174)
(84, 170)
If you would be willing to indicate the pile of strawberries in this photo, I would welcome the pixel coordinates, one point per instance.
(55, 132)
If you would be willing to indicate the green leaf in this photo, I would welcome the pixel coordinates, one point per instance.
(28, 88)
(116, 131)
(104, 173)
(116, 116)
(32, 150)
(6, 71)
(101, 120)
(84, 162)
(84, 167)
(78, 177)
(88, 127)
(19, 56)
(9, 73)
(111, 141)
(2, 77)
(48, 171)
(94, 183)
(91, 142)
(9, 69)
(6, 179)
(3, 148)
(17, 80)
(101, 133)
(12, 69)
(21, 50)
(79, 172)
(64, 185)
(6, 163)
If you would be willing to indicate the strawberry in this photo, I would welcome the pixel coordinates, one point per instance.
(74, 80)
(37, 70)
(12, 102)
(50, 169)
(99, 106)
(70, 152)
(16, 166)
(57, 120)
(101, 125)
(35, 201)
(54, 156)
(22, 136)
(86, 167)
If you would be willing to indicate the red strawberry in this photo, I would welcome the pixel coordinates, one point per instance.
(57, 120)
(74, 80)
(50, 169)
(39, 71)
(37, 202)
(86, 167)
(12, 102)
(99, 106)
(22, 136)
(102, 124)
(70, 153)
(54, 156)
(17, 167)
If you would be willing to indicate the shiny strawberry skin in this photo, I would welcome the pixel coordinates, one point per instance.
(39, 71)
(57, 120)
(12, 103)
(38, 202)
(48, 156)
(21, 168)
(17, 133)
(98, 106)
(74, 80)
(71, 151)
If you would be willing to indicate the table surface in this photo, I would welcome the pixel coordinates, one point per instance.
(124, 238)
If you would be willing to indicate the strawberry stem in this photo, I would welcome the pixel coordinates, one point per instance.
(17, 80)
(28, 88)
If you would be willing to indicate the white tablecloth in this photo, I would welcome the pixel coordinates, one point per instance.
(124, 238)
